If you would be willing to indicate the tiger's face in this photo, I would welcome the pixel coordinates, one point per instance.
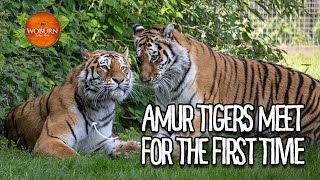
(155, 55)
(107, 75)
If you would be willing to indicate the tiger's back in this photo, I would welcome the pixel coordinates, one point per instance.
(24, 123)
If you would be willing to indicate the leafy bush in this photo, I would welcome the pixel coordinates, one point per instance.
(27, 71)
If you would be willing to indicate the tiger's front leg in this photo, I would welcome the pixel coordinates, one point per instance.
(196, 133)
(124, 147)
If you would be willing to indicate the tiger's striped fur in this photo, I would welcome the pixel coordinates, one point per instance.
(185, 71)
(59, 123)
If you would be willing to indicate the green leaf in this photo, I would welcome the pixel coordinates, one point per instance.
(2, 58)
(63, 20)
(256, 13)
(179, 15)
(19, 33)
(24, 43)
(93, 23)
(115, 25)
(23, 75)
(53, 50)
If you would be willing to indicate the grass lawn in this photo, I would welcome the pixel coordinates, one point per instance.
(16, 164)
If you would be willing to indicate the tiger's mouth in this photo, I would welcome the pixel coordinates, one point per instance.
(119, 94)
(120, 91)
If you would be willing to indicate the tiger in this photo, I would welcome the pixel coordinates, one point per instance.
(76, 115)
(182, 70)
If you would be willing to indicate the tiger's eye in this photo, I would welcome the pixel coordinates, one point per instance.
(123, 68)
(104, 67)
(154, 57)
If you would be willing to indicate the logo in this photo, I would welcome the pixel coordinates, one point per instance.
(42, 29)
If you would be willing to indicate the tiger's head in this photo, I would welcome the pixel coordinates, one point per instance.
(107, 75)
(159, 54)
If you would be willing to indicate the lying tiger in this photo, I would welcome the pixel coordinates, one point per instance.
(59, 123)
(184, 71)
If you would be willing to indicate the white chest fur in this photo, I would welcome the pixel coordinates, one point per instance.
(90, 138)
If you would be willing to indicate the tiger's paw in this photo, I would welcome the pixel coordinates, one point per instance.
(125, 147)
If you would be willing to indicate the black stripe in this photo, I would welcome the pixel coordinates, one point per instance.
(40, 107)
(311, 88)
(215, 72)
(236, 68)
(92, 70)
(99, 145)
(286, 96)
(184, 75)
(98, 149)
(301, 81)
(232, 69)
(94, 108)
(182, 90)
(71, 129)
(24, 106)
(317, 105)
(202, 47)
(245, 65)
(52, 135)
(158, 100)
(236, 95)
(270, 98)
(166, 54)
(190, 100)
(225, 68)
(57, 138)
(252, 81)
(108, 116)
(210, 51)
(108, 122)
(47, 106)
(81, 109)
(278, 79)
(306, 112)
(86, 70)
(266, 73)
(257, 97)
(315, 132)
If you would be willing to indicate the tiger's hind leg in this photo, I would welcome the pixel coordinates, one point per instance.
(53, 147)
(50, 142)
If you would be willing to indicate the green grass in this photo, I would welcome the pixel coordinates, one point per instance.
(306, 64)
(17, 164)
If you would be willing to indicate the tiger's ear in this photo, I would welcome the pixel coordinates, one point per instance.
(167, 32)
(85, 53)
(125, 53)
(137, 29)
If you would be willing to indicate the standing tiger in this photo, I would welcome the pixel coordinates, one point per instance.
(60, 123)
(184, 71)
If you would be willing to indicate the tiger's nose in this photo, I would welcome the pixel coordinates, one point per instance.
(118, 80)
(144, 78)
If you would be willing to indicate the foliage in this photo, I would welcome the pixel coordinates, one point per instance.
(316, 32)
(28, 71)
